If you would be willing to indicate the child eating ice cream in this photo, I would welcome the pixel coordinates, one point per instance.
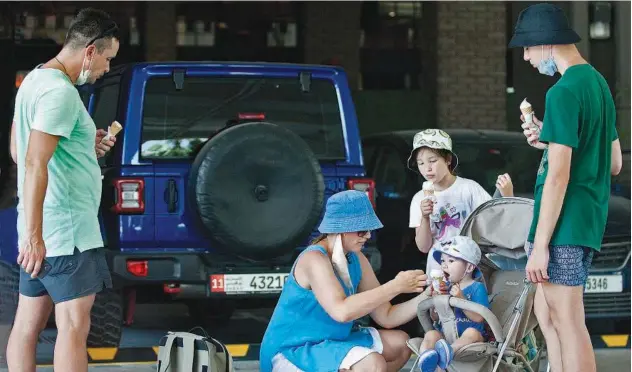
(459, 258)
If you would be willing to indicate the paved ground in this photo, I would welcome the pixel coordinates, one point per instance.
(607, 360)
(246, 327)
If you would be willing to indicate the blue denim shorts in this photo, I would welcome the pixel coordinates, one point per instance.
(568, 264)
(70, 277)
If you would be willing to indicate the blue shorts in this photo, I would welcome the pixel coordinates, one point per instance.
(568, 264)
(70, 277)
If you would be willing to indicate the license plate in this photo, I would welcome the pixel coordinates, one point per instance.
(248, 283)
(604, 284)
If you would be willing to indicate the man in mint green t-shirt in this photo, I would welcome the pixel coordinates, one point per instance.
(581, 152)
(55, 145)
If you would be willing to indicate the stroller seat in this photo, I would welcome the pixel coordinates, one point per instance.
(498, 226)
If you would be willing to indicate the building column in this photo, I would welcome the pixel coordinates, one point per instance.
(471, 64)
(160, 31)
(332, 35)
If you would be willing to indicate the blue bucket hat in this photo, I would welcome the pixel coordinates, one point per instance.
(349, 211)
(542, 24)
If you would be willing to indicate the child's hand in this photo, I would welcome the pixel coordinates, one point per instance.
(456, 291)
(426, 207)
(504, 185)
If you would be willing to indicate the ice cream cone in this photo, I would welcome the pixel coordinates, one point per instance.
(113, 130)
(428, 188)
(527, 111)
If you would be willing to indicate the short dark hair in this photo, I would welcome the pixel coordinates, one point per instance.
(91, 26)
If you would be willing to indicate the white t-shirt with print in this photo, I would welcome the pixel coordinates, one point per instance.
(453, 206)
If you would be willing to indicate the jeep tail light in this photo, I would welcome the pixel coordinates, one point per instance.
(366, 185)
(129, 196)
(251, 116)
(138, 268)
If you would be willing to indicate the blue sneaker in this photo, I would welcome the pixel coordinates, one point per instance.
(445, 353)
(428, 361)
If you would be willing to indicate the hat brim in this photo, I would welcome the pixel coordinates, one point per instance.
(535, 38)
(367, 222)
(412, 165)
(477, 273)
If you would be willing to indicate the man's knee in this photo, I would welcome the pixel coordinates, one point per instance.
(74, 315)
(565, 306)
(31, 316)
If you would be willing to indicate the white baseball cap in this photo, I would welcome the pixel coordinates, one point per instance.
(462, 247)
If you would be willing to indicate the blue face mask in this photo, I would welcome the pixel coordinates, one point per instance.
(547, 66)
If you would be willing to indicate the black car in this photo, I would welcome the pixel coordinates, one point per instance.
(483, 155)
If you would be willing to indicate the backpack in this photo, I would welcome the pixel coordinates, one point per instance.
(188, 352)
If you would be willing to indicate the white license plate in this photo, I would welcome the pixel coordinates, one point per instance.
(604, 284)
(248, 283)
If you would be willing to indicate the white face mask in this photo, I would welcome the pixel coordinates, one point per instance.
(339, 260)
(84, 74)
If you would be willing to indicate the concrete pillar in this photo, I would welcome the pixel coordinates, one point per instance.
(332, 32)
(160, 31)
(579, 18)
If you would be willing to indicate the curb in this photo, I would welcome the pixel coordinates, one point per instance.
(147, 355)
(250, 352)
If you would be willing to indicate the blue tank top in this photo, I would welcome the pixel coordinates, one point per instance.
(303, 331)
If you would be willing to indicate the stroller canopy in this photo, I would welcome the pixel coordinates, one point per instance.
(501, 226)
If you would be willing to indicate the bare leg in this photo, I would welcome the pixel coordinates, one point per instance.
(430, 339)
(542, 313)
(73, 326)
(373, 362)
(395, 352)
(30, 319)
(566, 306)
(470, 336)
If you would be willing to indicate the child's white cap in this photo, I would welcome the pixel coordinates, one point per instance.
(462, 247)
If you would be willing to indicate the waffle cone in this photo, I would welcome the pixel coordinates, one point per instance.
(527, 110)
(115, 128)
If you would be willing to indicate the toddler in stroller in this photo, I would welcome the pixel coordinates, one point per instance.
(512, 340)
(459, 258)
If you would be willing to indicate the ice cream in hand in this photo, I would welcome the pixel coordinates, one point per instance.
(437, 278)
(527, 111)
(428, 188)
(113, 130)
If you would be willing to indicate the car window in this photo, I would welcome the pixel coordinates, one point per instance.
(176, 122)
(368, 156)
(106, 98)
(483, 163)
(390, 172)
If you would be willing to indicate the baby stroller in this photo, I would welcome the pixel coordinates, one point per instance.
(515, 343)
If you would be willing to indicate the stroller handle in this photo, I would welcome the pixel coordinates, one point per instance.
(424, 306)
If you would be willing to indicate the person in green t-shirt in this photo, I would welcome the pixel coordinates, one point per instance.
(581, 152)
(55, 145)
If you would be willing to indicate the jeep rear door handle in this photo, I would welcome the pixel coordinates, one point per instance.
(171, 196)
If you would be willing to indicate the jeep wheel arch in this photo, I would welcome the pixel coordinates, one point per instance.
(257, 190)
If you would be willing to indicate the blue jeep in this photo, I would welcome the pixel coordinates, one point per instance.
(216, 183)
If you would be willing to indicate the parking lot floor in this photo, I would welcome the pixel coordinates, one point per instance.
(607, 360)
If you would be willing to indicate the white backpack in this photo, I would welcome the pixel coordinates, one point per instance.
(188, 352)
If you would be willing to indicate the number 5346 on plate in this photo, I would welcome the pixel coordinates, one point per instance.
(247, 283)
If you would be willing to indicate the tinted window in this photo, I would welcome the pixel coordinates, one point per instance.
(176, 122)
(484, 162)
(104, 112)
(390, 175)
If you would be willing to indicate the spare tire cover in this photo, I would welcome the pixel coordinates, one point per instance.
(258, 190)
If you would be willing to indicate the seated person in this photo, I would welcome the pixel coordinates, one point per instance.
(330, 286)
(459, 257)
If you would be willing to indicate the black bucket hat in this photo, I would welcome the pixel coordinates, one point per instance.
(542, 24)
